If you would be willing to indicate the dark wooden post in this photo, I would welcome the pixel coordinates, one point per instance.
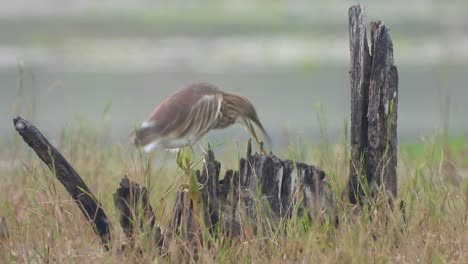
(69, 178)
(359, 76)
(374, 105)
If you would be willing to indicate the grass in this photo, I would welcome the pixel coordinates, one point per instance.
(46, 226)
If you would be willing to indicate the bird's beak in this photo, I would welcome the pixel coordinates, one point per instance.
(251, 129)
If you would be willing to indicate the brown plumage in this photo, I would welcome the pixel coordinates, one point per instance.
(188, 114)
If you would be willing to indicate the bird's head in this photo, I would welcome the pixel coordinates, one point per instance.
(247, 116)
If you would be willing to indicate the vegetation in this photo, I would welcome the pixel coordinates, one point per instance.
(46, 226)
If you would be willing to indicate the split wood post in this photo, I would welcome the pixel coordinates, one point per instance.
(374, 108)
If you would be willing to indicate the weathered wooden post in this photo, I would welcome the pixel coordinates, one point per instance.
(69, 178)
(374, 105)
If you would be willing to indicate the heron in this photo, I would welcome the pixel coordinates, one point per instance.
(184, 117)
(191, 112)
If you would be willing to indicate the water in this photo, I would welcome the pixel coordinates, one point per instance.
(284, 100)
(112, 66)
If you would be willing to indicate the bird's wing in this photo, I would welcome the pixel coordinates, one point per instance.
(202, 117)
(189, 110)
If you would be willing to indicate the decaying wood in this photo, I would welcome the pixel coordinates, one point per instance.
(264, 186)
(69, 178)
(136, 212)
(374, 105)
(382, 111)
(359, 76)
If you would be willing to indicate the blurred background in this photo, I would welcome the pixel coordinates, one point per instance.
(107, 64)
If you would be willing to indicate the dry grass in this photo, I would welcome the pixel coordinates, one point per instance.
(44, 225)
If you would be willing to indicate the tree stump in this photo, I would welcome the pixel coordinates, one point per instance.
(264, 186)
(374, 107)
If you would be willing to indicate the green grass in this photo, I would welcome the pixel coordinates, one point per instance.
(44, 224)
